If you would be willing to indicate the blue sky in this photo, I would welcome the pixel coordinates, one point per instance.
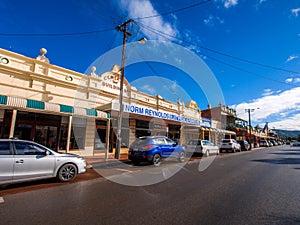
(252, 47)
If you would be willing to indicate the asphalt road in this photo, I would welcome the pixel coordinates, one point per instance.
(255, 187)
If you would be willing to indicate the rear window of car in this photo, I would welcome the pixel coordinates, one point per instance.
(225, 141)
(141, 142)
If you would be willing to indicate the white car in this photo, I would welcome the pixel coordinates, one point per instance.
(202, 147)
(22, 160)
(264, 143)
(230, 145)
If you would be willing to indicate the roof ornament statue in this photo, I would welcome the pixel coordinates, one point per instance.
(42, 57)
(93, 70)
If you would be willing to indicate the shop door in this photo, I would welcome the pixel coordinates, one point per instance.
(100, 139)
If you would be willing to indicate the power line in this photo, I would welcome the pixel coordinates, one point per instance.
(100, 31)
(161, 33)
(56, 34)
(247, 71)
(174, 11)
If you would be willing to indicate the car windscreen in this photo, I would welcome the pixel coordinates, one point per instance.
(194, 142)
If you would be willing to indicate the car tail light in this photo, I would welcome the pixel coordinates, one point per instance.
(146, 147)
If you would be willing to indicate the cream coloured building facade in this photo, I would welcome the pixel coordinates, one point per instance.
(74, 112)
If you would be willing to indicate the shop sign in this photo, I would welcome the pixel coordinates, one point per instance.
(111, 83)
(163, 115)
(3, 60)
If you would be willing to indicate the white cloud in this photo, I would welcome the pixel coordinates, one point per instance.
(268, 92)
(144, 8)
(174, 86)
(211, 20)
(292, 57)
(208, 20)
(293, 80)
(230, 3)
(261, 1)
(287, 102)
(148, 89)
(295, 11)
(289, 123)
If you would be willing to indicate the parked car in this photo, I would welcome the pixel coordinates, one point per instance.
(154, 149)
(202, 147)
(264, 143)
(230, 145)
(275, 143)
(22, 160)
(270, 143)
(245, 146)
(295, 144)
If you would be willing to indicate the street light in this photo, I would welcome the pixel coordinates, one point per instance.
(123, 28)
(249, 116)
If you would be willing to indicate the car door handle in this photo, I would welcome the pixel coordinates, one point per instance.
(20, 161)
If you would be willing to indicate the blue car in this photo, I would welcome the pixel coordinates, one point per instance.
(154, 148)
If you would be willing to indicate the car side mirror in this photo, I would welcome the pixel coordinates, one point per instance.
(174, 144)
(47, 153)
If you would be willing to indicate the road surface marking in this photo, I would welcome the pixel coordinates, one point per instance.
(129, 171)
(1, 200)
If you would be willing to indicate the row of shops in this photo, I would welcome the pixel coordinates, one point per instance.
(73, 112)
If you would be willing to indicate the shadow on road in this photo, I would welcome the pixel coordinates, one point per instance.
(44, 183)
(280, 161)
(297, 152)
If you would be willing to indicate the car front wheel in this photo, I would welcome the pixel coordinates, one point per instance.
(67, 172)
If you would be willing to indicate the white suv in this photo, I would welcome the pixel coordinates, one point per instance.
(230, 145)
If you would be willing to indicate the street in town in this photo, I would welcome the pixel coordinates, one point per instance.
(253, 187)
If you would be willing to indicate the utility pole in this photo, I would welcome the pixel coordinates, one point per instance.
(250, 128)
(122, 28)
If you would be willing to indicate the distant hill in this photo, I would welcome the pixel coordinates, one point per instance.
(288, 133)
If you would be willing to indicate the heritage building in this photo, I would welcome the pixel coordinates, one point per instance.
(74, 112)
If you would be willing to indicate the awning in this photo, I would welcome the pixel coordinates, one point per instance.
(35, 104)
(3, 100)
(21, 103)
(225, 131)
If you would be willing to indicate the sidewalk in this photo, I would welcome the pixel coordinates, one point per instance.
(96, 159)
(101, 159)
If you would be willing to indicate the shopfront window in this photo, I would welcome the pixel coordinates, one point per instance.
(41, 128)
(78, 133)
(23, 131)
(142, 128)
(46, 135)
(174, 132)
